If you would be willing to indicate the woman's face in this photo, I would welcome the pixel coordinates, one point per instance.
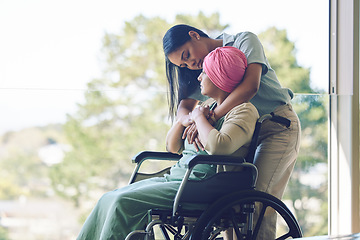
(190, 55)
(208, 88)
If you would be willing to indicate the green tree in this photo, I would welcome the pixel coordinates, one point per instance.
(22, 171)
(125, 111)
(281, 53)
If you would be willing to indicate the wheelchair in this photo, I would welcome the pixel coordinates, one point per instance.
(226, 200)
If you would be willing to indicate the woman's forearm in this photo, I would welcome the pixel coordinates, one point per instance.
(204, 128)
(242, 93)
(174, 142)
(185, 107)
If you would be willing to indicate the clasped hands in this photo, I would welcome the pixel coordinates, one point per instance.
(191, 131)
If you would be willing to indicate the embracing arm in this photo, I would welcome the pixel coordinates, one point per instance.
(185, 107)
(174, 141)
(202, 124)
(242, 93)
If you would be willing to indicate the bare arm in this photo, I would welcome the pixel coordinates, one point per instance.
(174, 141)
(244, 92)
(185, 107)
(202, 124)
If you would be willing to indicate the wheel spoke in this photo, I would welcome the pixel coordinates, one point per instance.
(260, 219)
(285, 236)
(239, 235)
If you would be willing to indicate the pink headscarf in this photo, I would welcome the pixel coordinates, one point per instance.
(225, 67)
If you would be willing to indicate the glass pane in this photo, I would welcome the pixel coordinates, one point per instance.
(307, 192)
(46, 69)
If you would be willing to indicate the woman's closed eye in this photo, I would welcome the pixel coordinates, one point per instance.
(185, 55)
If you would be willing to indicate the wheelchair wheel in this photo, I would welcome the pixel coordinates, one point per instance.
(235, 211)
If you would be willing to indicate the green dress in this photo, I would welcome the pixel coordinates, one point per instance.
(124, 210)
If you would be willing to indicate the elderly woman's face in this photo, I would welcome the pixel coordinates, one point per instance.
(190, 55)
(208, 88)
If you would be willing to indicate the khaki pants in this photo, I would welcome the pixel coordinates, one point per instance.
(275, 159)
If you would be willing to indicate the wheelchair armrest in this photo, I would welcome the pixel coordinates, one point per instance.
(144, 155)
(214, 159)
(150, 155)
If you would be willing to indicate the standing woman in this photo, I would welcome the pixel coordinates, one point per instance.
(185, 48)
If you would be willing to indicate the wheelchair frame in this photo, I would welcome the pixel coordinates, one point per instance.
(225, 207)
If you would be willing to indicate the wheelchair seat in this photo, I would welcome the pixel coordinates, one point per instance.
(226, 200)
(210, 189)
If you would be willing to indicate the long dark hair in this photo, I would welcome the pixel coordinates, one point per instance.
(182, 81)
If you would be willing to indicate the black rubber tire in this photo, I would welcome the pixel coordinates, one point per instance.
(207, 220)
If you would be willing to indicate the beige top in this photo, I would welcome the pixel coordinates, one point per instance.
(237, 130)
(235, 135)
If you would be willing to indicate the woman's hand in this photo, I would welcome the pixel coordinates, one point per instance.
(174, 140)
(191, 132)
(186, 120)
(200, 112)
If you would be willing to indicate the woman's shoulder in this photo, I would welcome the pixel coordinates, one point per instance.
(230, 39)
(244, 106)
(242, 110)
(246, 34)
(243, 34)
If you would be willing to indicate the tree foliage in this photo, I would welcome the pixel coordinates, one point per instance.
(282, 54)
(125, 111)
(22, 171)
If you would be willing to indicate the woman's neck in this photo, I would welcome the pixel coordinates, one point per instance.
(215, 43)
(221, 97)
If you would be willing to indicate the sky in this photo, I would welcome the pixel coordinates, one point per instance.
(50, 49)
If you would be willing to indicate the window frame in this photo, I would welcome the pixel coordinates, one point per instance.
(344, 200)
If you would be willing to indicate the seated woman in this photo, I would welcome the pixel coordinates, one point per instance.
(123, 210)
